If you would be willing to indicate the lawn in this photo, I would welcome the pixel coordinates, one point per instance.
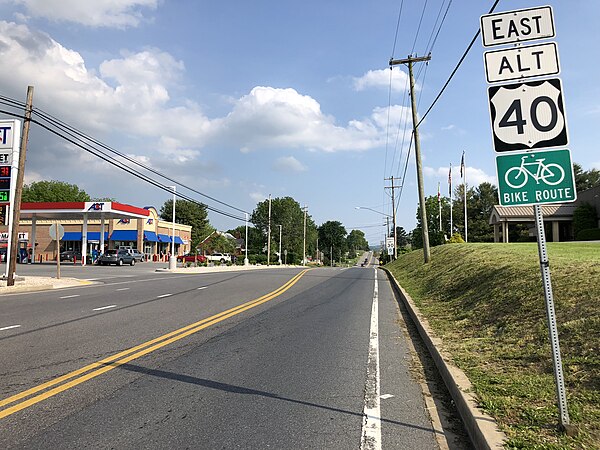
(486, 302)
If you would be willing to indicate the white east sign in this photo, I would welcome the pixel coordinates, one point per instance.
(517, 26)
(521, 62)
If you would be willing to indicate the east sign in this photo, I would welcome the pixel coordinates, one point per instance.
(517, 26)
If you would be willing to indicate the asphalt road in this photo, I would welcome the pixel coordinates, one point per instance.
(278, 358)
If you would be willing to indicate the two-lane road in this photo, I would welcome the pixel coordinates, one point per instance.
(281, 358)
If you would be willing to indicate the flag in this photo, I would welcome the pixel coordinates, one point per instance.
(439, 195)
(462, 164)
(450, 181)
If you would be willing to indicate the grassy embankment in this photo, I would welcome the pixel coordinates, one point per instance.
(486, 302)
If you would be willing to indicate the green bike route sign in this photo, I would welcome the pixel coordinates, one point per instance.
(535, 178)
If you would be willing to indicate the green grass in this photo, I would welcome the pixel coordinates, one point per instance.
(486, 302)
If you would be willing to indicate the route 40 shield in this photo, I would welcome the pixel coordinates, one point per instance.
(527, 116)
(535, 178)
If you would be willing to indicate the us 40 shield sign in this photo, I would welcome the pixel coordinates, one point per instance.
(529, 115)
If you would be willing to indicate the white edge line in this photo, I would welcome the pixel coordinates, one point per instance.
(164, 295)
(104, 307)
(70, 296)
(123, 289)
(10, 327)
(371, 429)
(200, 288)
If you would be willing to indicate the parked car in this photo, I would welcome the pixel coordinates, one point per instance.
(220, 257)
(191, 258)
(117, 257)
(137, 255)
(70, 255)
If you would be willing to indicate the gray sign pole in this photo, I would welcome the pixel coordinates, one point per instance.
(545, 269)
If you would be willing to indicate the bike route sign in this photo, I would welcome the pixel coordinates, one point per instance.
(535, 178)
(528, 115)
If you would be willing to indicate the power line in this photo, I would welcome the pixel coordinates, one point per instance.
(457, 66)
(130, 159)
(123, 167)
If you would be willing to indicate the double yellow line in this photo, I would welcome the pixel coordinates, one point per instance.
(98, 368)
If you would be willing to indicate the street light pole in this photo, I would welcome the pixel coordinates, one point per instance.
(269, 235)
(173, 259)
(304, 240)
(246, 262)
(280, 227)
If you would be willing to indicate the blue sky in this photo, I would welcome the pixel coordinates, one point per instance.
(241, 99)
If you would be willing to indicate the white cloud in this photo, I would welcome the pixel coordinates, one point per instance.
(283, 118)
(381, 79)
(289, 164)
(449, 127)
(96, 13)
(129, 98)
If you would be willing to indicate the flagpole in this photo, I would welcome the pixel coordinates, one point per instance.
(450, 194)
(465, 194)
(440, 206)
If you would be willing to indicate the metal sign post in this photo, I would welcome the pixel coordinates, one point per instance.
(551, 316)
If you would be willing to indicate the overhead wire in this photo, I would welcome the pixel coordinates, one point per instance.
(129, 158)
(464, 55)
(74, 140)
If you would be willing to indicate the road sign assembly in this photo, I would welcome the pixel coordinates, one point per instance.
(528, 115)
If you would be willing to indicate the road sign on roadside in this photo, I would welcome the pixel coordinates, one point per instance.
(528, 115)
(56, 228)
(521, 62)
(517, 26)
(535, 178)
(389, 242)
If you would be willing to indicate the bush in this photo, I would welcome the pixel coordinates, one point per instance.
(584, 218)
(455, 239)
(590, 234)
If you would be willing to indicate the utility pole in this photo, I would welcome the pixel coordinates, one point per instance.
(269, 235)
(392, 187)
(304, 239)
(409, 62)
(16, 209)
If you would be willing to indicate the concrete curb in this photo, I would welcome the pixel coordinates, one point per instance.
(482, 428)
(61, 283)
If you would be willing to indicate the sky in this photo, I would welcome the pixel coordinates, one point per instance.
(239, 99)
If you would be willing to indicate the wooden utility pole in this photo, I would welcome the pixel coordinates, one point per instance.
(409, 62)
(392, 187)
(16, 205)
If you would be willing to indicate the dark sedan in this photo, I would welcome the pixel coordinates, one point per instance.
(70, 255)
(117, 257)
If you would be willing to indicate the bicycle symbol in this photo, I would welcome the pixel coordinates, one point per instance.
(551, 174)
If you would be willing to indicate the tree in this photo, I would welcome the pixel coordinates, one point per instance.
(436, 236)
(220, 243)
(584, 218)
(332, 238)
(480, 201)
(53, 191)
(402, 239)
(288, 213)
(188, 213)
(585, 179)
(356, 241)
(255, 240)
